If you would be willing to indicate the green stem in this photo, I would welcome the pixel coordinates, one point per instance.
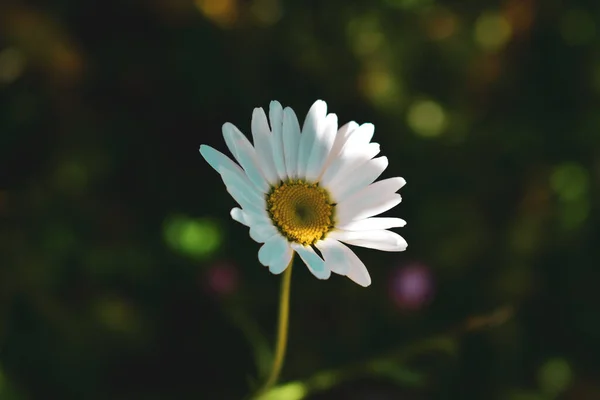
(282, 329)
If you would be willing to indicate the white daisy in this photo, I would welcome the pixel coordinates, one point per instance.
(307, 190)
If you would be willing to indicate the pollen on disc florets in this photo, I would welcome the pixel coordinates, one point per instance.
(301, 211)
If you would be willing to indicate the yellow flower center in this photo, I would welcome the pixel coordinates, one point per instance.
(303, 212)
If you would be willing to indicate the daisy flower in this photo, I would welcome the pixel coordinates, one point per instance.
(309, 190)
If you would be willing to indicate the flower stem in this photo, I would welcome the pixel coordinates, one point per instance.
(282, 328)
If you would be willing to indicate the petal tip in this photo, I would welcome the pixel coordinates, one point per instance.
(324, 276)
(275, 105)
(402, 244)
(204, 149)
(227, 129)
(258, 112)
(319, 107)
(364, 281)
(275, 271)
(368, 125)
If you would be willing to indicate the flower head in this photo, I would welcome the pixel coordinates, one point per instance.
(307, 190)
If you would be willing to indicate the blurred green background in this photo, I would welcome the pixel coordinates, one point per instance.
(122, 275)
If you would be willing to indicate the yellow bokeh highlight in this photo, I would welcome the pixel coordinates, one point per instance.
(12, 63)
(381, 85)
(43, 43)
(266, 12)
(555, 376)
(197, 238)
(116, 314)
(222, 12)
(426, 118)
(365, 34)
(492, 31)
(441, 24)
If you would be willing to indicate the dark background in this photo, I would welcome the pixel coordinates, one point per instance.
(122, 275)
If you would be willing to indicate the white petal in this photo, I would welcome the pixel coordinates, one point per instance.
(312, 260)
(243, 192)
(245, 154)
(349, 160)
(341, 137)
(362, 177)
(243, 184)
(379, 240)
(218, 160)
(353, 141)
(334, 255)
(253, 217)
(276, 119)
(261, 135)
(358, 272)
(229, 141)
(261, 227)
(315, 117)
(371, 224)
(279, 265)
(372, 200)
(273, 250)
(238, 215)
(366, 208)
(344, 261)
(291, 141)
(340, 140)
(260, 233)
(363, 134)
(325, 136)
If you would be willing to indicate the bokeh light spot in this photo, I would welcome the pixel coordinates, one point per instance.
(365, 34)
(116, 314)
(577, 27)
(570, 181)
(411, 286)
(196, 238)
(379, 86)
(575, 213)
(290, 391)
(222, 278)
(555, 376)
(72, 176)
(492, 31)
(222, 12)
(441, 24)
(12, 63)
(427, 118)
(266, 12)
